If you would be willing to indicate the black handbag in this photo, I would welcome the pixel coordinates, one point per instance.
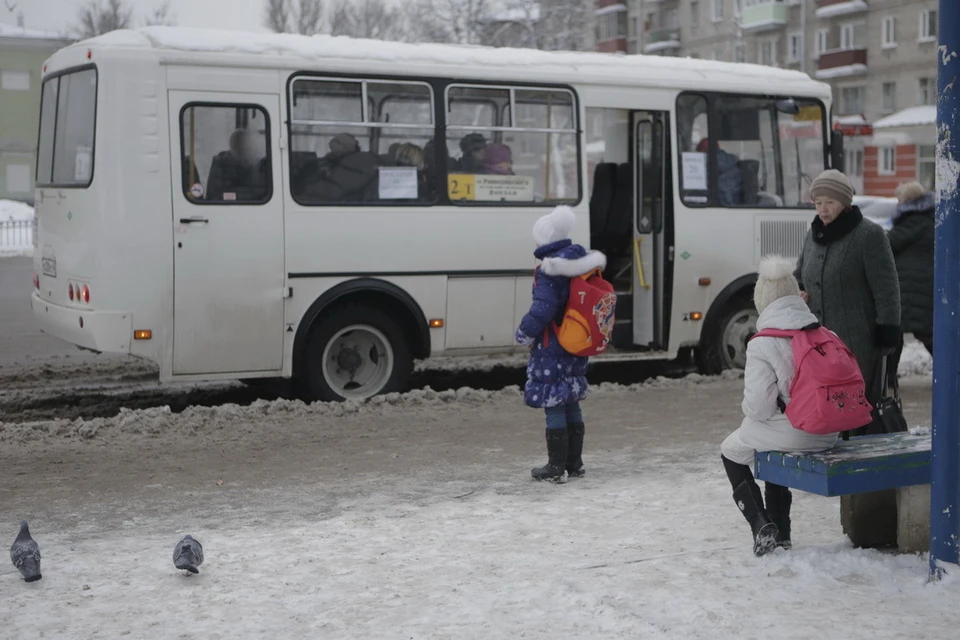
(888, 412)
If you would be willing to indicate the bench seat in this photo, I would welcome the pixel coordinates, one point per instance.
(858, 465)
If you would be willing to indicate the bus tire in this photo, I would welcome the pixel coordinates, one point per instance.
(354, 352)
(723, 344)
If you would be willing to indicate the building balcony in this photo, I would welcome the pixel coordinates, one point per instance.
(764, 17)
(833, 8)
(842, 63)
(661, 40)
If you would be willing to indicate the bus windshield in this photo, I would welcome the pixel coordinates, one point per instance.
(749, 151)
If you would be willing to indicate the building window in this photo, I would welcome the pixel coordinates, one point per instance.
(822, 35)
(695, 14)
(717, 10)
(15, 80)
(612, 24)
(740, 52)
(927, 93)
(794, 47)
(768, 53)
(928, 25)
(852, 35)
(927, 165)
(851, 100)
(854, 162)
(888, 161)
(18, 178)
(889, 97)
(889, 32)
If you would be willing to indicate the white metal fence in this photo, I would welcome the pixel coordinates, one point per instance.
(16, 235)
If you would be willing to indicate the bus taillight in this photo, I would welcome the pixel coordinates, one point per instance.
(70, 291)
(85, 292)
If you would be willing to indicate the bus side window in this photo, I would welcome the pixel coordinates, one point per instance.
(226, 158)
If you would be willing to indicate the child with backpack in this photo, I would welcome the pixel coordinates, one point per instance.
(801, 387)
(562, 331)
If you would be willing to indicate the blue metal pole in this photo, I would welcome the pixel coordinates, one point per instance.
(945, 464)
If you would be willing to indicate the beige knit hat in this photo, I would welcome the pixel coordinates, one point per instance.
(832, 184)
(910, 191)
(775, 281)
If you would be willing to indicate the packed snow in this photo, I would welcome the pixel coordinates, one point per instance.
(413, 516)
(16, 229)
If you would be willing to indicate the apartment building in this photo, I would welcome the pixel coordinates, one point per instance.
(878, 55)
(22, 52)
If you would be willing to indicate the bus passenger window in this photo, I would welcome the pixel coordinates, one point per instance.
(226, 155)
(507, 145)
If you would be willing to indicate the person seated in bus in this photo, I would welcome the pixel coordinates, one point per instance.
(473, 146)
(343, 175)
(410, 155)
(234, 174)
(729, 180)
(498, 159)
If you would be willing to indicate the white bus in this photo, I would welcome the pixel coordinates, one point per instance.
(240, 205)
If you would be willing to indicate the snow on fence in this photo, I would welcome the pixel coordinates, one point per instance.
(16, 237)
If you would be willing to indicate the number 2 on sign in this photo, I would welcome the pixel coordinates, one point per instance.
(461, 186)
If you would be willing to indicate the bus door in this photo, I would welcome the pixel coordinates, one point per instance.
(228, 247)
(652, 259)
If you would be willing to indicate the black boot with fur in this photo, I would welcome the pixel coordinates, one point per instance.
(749, 499)
(556, 468)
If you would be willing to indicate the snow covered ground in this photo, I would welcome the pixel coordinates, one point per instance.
(16, 232)
(414, 517)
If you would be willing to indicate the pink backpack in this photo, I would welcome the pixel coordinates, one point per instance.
(827, 394)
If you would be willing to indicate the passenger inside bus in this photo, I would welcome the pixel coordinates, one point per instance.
(236, 174)
(473, 146)
(729, 177)
(498, 159)
(345, 174)
(408, 154)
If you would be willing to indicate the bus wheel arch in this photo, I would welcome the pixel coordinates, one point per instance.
(728, 325)
(357, 340)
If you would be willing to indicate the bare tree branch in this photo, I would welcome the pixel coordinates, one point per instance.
(294, 16)
(160, 16)
(458, 21)
(97, 19)
(366, 19)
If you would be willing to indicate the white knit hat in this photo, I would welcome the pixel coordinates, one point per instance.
(774, 282)
(556, 225)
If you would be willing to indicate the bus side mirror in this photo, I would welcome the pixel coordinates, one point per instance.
(836, 151)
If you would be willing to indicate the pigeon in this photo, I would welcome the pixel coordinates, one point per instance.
(25, 554)
(188, 554)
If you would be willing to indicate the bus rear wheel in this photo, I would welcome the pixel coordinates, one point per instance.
(353, 353)
(723, 344)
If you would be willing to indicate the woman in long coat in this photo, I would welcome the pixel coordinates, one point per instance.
(849, 278)
(911, 240)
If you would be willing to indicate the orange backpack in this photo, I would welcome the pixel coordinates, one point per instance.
(587, 324)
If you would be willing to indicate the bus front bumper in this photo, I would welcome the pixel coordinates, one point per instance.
(106, 331)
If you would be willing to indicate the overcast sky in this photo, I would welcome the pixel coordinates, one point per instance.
(61, 15)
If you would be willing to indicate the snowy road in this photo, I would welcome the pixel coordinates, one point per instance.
(414, 517)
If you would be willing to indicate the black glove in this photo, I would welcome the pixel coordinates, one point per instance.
(887, 338)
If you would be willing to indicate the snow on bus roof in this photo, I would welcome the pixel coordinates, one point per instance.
(188, 39)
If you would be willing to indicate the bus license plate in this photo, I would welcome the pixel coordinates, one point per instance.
(50, 267)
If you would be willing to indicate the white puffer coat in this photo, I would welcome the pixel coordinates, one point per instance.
(768, 375)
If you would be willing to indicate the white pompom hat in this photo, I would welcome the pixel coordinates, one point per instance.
(556, 225)
(774, 282)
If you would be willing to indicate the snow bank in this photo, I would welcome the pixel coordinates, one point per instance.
(915, 359)
(16, 229)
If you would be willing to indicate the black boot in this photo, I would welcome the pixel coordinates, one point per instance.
(779, 499)
(555, 469)
(748, 499)
(746, 493)
(574, 460)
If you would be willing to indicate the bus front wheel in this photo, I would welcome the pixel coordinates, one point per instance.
(355, 352)
(723, 344)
